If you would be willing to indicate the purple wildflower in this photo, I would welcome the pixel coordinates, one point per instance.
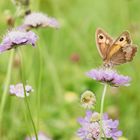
(41, 136)
(109, 76)
(17, 37)
(35, 20)
(90, 127)
(18, 90)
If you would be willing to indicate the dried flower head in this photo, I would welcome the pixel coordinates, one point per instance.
(18, 90)
(35, 20)
(90, 128)
(41, 136)
(16, 38)
(109, 76)
(88, 99)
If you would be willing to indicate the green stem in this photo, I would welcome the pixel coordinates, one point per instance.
(6, 86)
(27, 124)
(26, 100)
(102, 109)
(30, 114)
(39, 89)
(55, 77)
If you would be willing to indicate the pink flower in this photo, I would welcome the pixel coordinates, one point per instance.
(18, 90)
(35, 20)
(16, 38)
(41, 136)
(109, 76)
(90, 127)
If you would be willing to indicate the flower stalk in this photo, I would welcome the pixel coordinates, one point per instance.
(39, 88)
(26, 100)
(29, 112)
(102, 109)
(6, 86)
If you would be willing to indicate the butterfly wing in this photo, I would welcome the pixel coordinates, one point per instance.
(103, 42)
(123, 55)
(121, 51)
(130, 51)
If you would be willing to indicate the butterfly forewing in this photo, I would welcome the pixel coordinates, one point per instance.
(123, 40)
(103, 42)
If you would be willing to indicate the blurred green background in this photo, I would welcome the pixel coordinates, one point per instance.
(60, 61)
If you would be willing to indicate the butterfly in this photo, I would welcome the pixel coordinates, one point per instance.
(115, 52)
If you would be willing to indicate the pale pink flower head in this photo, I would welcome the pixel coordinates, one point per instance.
(109, 76)
(18, 90)
(35, 20)
(90, 127)
(41, 136)
(17, 38)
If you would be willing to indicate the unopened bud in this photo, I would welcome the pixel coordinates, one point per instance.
(88, 99)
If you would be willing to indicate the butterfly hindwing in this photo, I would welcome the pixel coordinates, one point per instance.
(123, 55)
(130, 51)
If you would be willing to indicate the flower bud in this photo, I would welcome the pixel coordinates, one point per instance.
(88, 99)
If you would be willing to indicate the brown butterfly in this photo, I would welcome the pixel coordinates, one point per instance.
(115, 52)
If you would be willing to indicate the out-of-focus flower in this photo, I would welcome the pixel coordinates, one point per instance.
(90, 130)
(70, 97)
(122, 138)
(16, 61)
(109, 76)
(75, 138)
(113, 111)
(41, 136)
(21, 2)
(10, 21)
(16, 38)
(18, 90)
(35, 20)
(9, 18)
(88, 99)
(75, 57)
